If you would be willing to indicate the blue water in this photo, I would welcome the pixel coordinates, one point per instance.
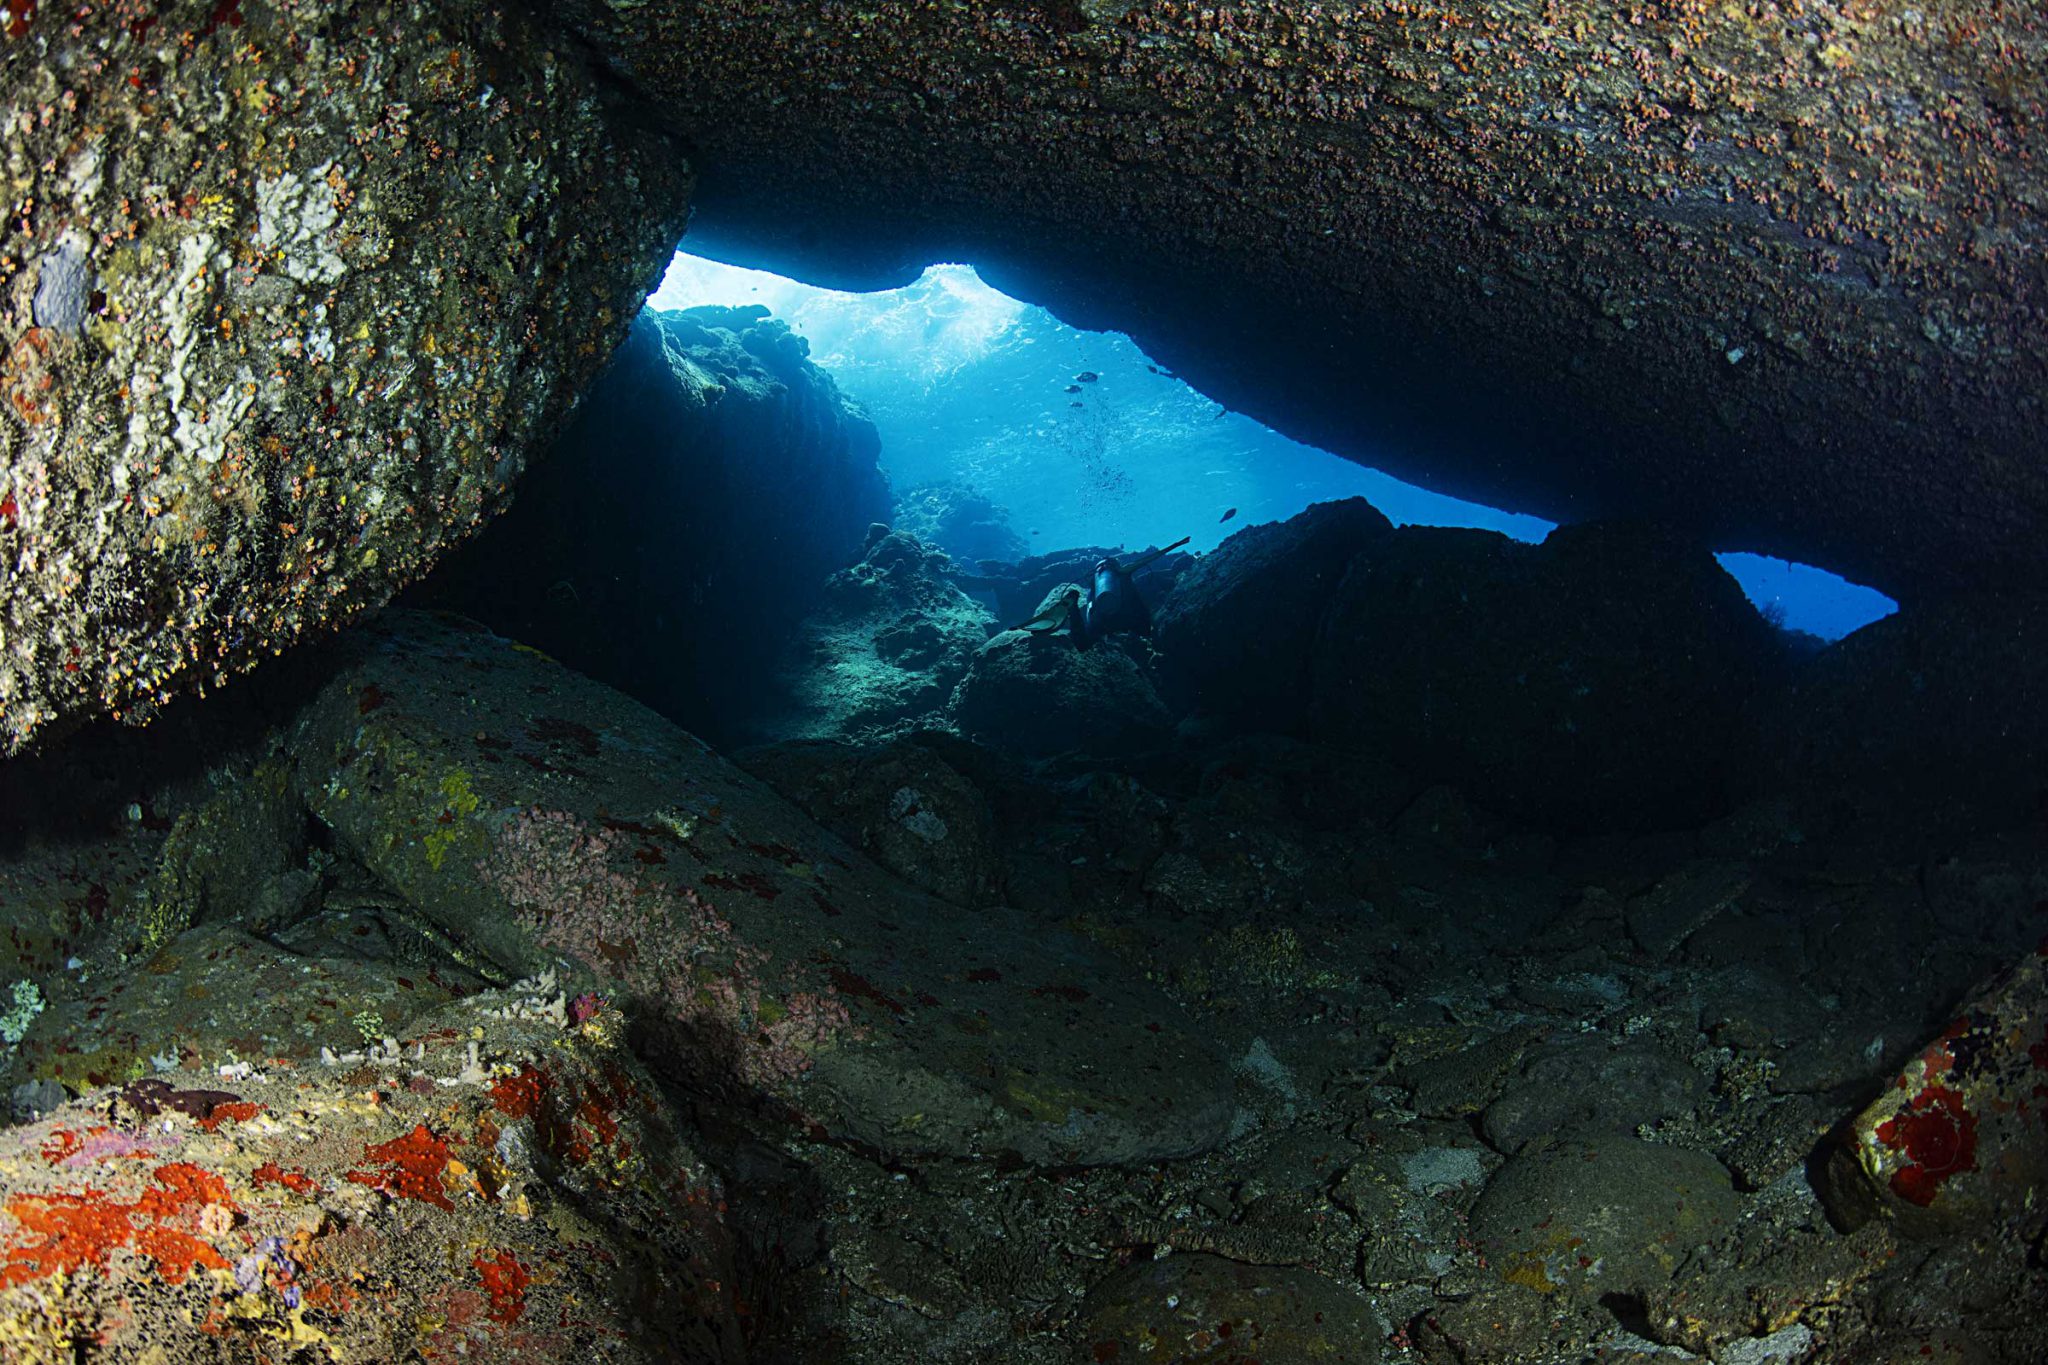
(1087, 442)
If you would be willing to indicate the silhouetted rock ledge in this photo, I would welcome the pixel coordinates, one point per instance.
(674, 538)
(1778, 283)
(541, 819)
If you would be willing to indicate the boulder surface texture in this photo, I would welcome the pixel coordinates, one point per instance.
(288, 294)
(543, 822)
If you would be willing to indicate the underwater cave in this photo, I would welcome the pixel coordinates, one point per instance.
(1194, 684)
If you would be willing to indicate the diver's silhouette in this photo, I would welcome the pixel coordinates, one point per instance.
(1115, 607)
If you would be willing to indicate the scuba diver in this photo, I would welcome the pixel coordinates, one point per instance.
(1114, 608)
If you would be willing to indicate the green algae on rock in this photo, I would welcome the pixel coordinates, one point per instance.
(291, 291)
(542, 819)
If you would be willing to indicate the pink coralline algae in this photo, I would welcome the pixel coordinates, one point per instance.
(663, 943)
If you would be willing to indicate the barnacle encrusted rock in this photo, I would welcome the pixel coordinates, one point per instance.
(288, 292)
(542, 819)
(1774, 272)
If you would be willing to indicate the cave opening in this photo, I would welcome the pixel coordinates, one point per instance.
(888, 827)
(688, 525)
(972, 388)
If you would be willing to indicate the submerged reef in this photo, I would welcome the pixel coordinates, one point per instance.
(447, 1003)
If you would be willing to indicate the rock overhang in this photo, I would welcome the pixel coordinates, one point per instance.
(291, 296)
(1773, 277)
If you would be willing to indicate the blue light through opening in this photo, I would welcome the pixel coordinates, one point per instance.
(1086, 441)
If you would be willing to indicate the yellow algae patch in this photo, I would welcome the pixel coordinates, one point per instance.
(461, 804)
(1047, 1104)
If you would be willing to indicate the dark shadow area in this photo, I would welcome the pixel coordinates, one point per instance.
(685, 521)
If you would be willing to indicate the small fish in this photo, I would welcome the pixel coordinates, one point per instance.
(1077, 405)
(1073, 388)
(1163, 374)
(1226, 516)
(1086, 377)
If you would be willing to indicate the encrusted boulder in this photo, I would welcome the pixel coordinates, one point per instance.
(292, 292)
(1237, 633)
(504, 1183)
(901, 804)
(1959, 1139)
(1606, 679)
(1037, 696)
(539, 818)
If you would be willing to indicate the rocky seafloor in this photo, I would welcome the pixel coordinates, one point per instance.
(1426, 948)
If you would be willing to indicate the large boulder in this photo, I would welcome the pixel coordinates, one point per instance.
(1598, 1215)
(541, 820)
(291, 293)
(1036, 696)
(1608, 678)
(1930, 723)
(676, 534)
(1238, 630)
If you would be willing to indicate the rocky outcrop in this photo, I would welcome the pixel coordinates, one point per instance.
(1609, 678)
(539, 819)
(1778, 283)
(1924, 726)
(1238, 631)
(1037, 696)
(673, 538)
(290, 293)
(885, 649)
(959, 520)
(504, 1183)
